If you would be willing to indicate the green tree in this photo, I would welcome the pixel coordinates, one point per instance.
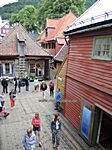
(57, 9)
(27, 17)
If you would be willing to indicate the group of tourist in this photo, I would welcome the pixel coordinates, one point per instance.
(31, 135)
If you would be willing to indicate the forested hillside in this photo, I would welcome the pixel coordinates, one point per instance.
(33, 13)
(8, 9)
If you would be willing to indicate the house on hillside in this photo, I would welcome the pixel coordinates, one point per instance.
(89, 74)
(4, 27)
(52, 38)
(20, 55)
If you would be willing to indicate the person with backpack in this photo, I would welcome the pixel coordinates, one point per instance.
(55, 129)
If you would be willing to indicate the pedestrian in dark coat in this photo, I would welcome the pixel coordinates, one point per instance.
(19, 84)
(15, 83)
(5, 85)
(27, 84)
(55, 128)
(51, 88)
(43, 88)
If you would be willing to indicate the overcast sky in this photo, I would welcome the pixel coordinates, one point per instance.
(3, 2)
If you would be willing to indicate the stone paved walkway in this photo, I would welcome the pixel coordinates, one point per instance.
(14, 126)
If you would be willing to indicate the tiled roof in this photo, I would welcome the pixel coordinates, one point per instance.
(8, 45)
(62, 53)
(61, 26)
(51, 23)
(98, 12)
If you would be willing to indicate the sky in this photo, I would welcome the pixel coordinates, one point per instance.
(4, 2)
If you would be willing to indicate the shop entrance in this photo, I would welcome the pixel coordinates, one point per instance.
(105, 138)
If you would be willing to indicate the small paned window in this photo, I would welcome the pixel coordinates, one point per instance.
(32, 68)
(7, 68)
(102, 48)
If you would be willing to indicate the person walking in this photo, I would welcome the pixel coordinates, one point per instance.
(27, 84)
(51, 88)
(15, 83)
(29, 140)
(55, 129)
(12, 95)
(58, 98)
(19, 84)
(43, 88)
(36, 122)
(5, 85)
(36, 84)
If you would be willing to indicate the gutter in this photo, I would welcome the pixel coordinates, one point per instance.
(91, 27)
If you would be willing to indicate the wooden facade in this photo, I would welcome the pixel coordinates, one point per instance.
(88, 80)
(60, 78)
(89, 75)
(21, 56)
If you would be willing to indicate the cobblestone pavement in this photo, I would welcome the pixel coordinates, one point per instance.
(12, 128)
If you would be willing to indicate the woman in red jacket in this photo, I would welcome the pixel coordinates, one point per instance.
(36, 122)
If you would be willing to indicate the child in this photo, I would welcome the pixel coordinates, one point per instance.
(55, 128)
(12, 95)
(36, 126)
(29, 140)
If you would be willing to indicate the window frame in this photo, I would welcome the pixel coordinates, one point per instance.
(7, 68)
(101, 57)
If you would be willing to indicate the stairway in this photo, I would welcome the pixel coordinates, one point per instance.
(21, 67)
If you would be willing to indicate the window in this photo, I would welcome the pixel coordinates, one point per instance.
(7, 68)
(4, 31)
(102, 47)
(53, 46)
(32, 68)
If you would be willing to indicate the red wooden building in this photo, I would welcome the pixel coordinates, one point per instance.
(89, 75)
(52, 38)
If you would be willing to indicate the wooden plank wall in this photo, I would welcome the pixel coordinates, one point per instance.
(87, 78)
(61, 79)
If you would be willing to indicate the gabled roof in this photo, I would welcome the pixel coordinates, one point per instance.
(61, 26)
(62, 53)
(8, 46)
(98, 12)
